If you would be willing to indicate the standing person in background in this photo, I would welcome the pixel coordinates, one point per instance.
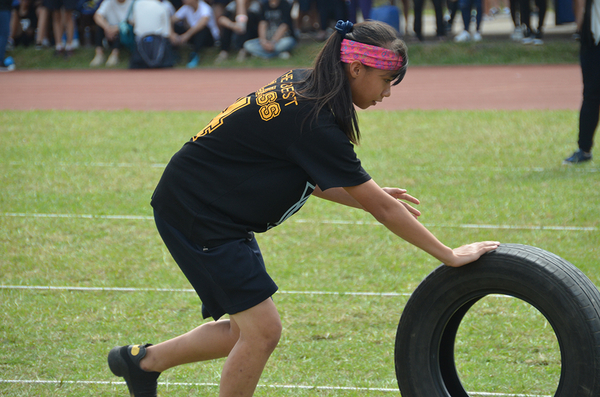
(108, 17)
(530, 35)
(329, 10)
(452, 6)
(439, 19)
(275, 31)
(515, 14)
(41, 38)
(365, 9)
(465, 8)
(62, 23)
(588, 26)
(406, 12)
(5, 13)
(195, 22)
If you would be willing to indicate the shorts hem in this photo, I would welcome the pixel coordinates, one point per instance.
(240, 307)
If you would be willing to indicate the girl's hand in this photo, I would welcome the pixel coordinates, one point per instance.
(470, 253)
(400, 194)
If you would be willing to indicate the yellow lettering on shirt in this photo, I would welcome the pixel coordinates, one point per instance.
(288, 76)
(269, 111)
(218, 121)
(266, 98)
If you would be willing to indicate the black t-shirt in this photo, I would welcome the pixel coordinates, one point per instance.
(254, 166)
(276, 16)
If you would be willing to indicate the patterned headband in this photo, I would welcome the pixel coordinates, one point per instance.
(369, 55)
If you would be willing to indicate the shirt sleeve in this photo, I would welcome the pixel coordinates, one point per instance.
(181, 13)
(328, 157)
(103, 8)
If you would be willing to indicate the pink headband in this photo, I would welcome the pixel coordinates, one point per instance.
(369, 55)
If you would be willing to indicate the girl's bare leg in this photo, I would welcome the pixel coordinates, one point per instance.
(247, 339)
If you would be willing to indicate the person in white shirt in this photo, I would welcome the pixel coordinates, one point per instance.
(151, 20)
(195, 23)
(107, 18)
(151, 17)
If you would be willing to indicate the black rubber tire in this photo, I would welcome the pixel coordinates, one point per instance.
(424, 350)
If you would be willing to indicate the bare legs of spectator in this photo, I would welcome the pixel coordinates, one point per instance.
(62, 22)
(406, 11)
(41, 39)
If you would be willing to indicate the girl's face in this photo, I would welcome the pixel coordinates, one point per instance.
(368, 85)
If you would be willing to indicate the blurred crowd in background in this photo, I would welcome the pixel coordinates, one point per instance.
(153, 30)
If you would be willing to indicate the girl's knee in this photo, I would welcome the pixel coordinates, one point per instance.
(271, 334)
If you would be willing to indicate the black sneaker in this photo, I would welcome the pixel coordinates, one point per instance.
(527, 36)
(578, 157)
(124, 361)
(538, 37)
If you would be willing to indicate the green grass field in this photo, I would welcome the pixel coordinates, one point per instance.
(75, 212)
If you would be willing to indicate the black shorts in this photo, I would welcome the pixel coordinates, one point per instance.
(58, 4)
(229, 278)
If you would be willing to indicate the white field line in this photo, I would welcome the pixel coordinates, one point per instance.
(187, 384)
(190, 290)
(320, 221)
(414, 168)
(187, 290)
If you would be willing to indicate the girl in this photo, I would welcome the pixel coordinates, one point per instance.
(250, 169)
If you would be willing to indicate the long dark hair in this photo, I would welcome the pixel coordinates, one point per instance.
(327, 83)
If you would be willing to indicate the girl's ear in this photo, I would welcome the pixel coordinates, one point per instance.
(355, 69)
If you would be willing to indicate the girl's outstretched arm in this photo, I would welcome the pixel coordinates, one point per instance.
(340, 195)
(394, 215)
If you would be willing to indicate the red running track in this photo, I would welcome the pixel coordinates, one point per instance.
(455, 87)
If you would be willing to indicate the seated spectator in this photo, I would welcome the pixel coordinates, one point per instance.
(23, 23)
(151, 20)
(219, 7)
(275, 32)
(108, 17)
(235, 34)
(195, 23)
(85, 23)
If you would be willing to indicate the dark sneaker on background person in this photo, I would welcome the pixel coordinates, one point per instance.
(578, 157)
